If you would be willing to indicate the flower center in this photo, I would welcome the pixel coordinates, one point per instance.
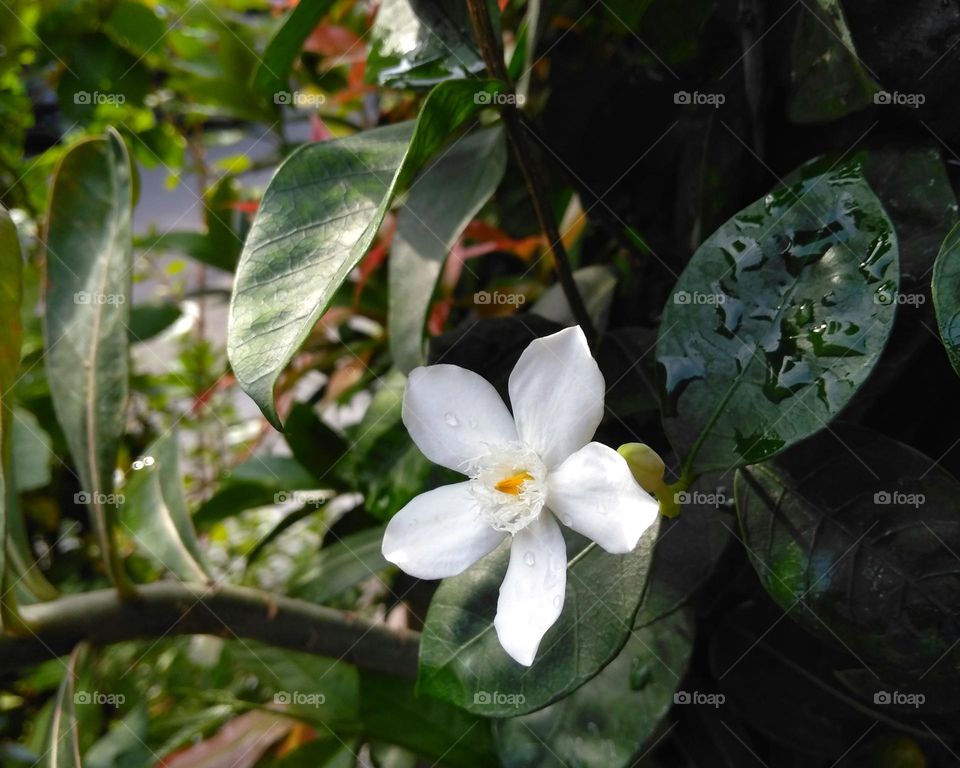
(509, 483)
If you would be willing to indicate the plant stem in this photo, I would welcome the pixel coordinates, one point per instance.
(529, 164)
(175, 608)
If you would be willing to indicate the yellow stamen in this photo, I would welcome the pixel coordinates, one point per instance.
(513, 483)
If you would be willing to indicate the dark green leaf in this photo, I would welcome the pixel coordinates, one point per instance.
(777, 320)
(830, 80)
(419, 43)
(32, 447)
(608, 719)
(273, 73)
(313, 444)
(391, 712)
(442, 201)
(461, 658)
(318, 217)
(89, 264)
(946, 295)
(855, 535)
(149, 320)
(154, 512)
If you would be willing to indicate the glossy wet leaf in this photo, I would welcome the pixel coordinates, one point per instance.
(318, 217)
(418, 43)
(154, 512)
(89, 265)
(830, 80)
(442, 201)
(777, 320)
(461, 658)
(609, 719)
(946, 295)
(856, 534)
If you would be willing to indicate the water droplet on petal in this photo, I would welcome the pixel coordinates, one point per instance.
(451, 419)
(557, 601)
(529, 559)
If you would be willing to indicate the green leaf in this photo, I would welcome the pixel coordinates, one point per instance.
(273, 73)
(340, 566)
(149, 320)
(317, 218)
(777, 320)
(313, 444)
(442, 201)
(391, 712)
(32, 447)
(946, 295)
(610, 718)
(830, 80)
(419, 43)
(154, 512)
(855, 535)
(11, 291)
(461, 658)
(89, 263)
(62, 748)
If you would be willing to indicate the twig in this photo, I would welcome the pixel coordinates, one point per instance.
(529, 164)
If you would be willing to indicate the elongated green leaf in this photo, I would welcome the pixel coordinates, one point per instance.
(608, 719)
(272, 74)
(340, 566)
(62, 749)
(777, 320)
(855, 534)
(462, 661)
(946, 295)
(154, 512)
(11, 289)
(89, 263)
(442, 201)
(318, 217)
(419, 43)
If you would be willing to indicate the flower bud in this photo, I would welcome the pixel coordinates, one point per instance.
(645, 464)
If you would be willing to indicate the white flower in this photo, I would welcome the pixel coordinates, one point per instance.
(526, 471)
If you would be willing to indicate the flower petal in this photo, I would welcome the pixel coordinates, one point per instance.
(439, 533)
(451, 413)
(556, 390)
(531, 596)
(594, 493)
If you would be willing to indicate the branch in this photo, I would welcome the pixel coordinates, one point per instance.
(529, 164)
(175, 608)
